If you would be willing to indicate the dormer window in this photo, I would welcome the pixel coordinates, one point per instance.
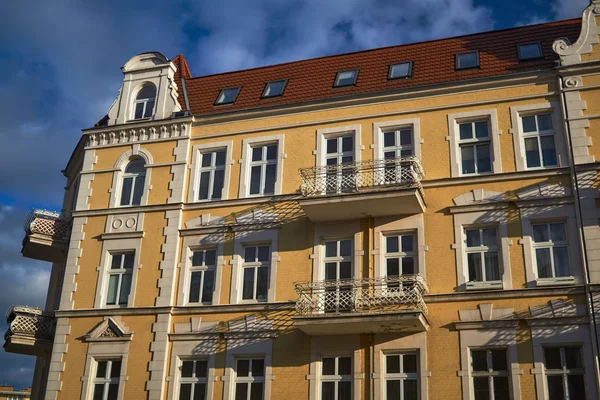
(144, 102)
(346, 78)
(467, 60)
(227, 96)
(400, 70)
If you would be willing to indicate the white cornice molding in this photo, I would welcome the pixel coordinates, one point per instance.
(174, 129)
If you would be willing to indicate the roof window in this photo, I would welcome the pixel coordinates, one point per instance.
(400, 70)
(274, 88)
(467, 60)
(530, 51)
(346, 78)
(227, 96)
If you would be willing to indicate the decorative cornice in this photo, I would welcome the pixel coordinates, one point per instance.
(570, 53)
(168, 129)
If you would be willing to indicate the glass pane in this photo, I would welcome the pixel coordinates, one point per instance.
(561, 261)
(576, 386)
(468, 159)
(532, 153)
(389, 139)
(101, 369)
(406, 137)
(392, 364)
(501, 388)
(147, 92)
(392, 390)
(331, 249)
(573, 357)
(345, 270)
(499, 360)
(208, 286)
(211, 257)
(138, 190)
(111, 296)
(257, 153)
(98, 391)
(248, 285)
(271, 171)
(220, 158)
(258, 367)
(467, 60)
(345, 390)
(552, 357)
(204, 184)
(466, 131)
(264, 253)
(262, 284)
(345, 78)
(116, 261)
(410, 389)
(529, 51)
(389, 155)
(139, 110)
(400, 70)
(484, 163)
(481, 388)
(344, 365)
(555, 387)
(328, 391)
(548, 151)
(113, 391)
(393, 267)
(241, 391)
(544, 266)
(479, 360)
(197, 258)
(218, 180)
(255, 174)
(347, 159)
(529, 124)
(250, 254)
(544, 122)
(125, 289)
(128, 262)
(200, 391)
(392, 244)
(474, 263)
(408, 266)
(481, 129)
(126, 191)
(272, 152)
(207, 159)
(115, 369)
(473, 239)
(135, 167)
(492, 269)
(243, 368)
(406, 153)
(345, 248)
(407, 243)
(540, 233)
(201, 368)
(410, 363)
(187, 369)
(332, 146)
(557, 232)
(274, 88)
(328, 366)
(489, 237)
(347, 143)
(330, 271)
(229, 95)
(256, 391)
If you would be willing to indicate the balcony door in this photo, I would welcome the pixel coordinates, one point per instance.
(339, 159)
(338, 268)
(397, 145)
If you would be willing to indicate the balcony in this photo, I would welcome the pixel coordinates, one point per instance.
(374, 188)
(46, 236)
(30, 331)
(373, 305)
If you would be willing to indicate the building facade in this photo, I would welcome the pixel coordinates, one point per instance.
(412, 222)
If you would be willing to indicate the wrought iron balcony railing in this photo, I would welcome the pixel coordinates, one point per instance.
(30, 330)
(372, 295)
(47, 223)
(352, 177)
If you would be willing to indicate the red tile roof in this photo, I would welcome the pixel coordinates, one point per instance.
(433, 63)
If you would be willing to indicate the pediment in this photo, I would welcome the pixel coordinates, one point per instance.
(110, 329)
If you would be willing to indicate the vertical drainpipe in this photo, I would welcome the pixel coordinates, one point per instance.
(583, 248)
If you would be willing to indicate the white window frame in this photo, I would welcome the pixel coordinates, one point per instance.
(327, 231)
(187, 349)
(119, 170)
(250, 379)
(454, 120)
(482, 249)
(193, 380)
(106, 382)
(379, 128)
(246, 161)
(99, 350)
(400, 255)
(329, 133)
(254, 265)
(400, 376)
(196, 169)
(202, 268)
(120, 273)
(243, 239)
(517, 112)
(145, 101)
(336, 378)
(550, 244)
(110, 247)
(190, 244)
(490, 374)
(564, 372)
(248, 347)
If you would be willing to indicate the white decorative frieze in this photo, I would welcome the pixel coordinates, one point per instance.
(124, 223)
(138, 134)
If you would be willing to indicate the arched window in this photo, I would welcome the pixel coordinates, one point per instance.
(144, 102)
(133, 183)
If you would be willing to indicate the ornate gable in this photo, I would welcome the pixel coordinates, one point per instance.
(111, 329)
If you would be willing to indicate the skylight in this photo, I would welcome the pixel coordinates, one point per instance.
(400, 70)
(227, 96)
(530, 51)
(467, 60)
(274, 88)
(346, 78)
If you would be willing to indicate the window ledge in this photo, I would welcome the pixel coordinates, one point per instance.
(563, 280)
(484, 285)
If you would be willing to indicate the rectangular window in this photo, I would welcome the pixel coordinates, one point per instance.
(193, 380)
(530, 51)
(467, 60)
(400, 256)
(202, 276)
(257, 261)
(396, 145)
(400, 70)
(336, 378)
(119, 279)
(475, 147)
(540, 146)
(346, 78)
(212, 175)
(551, 249)
(401, 379)
(250, 379)
(275, 88)
(564, 373)
(106, 379)
(338, 267)
(227, 96)
(339, 158)
(482, 254)
(489, 371)
(263, 169)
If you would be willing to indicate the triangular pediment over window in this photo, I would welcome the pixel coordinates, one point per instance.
(109, 330)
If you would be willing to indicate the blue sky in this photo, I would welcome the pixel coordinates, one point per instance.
(60, 71)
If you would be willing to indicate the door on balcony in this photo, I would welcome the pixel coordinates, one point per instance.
(396, 145)
(399, 261)
(339, 159)
(338, 274)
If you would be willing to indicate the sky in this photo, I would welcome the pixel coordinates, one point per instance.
(60, 72)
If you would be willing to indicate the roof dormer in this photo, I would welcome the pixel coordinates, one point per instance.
(149, 90)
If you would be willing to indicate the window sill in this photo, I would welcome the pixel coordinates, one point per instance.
(561, 281)
(484, 285)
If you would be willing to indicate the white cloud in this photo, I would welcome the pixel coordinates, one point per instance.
(564, 9)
